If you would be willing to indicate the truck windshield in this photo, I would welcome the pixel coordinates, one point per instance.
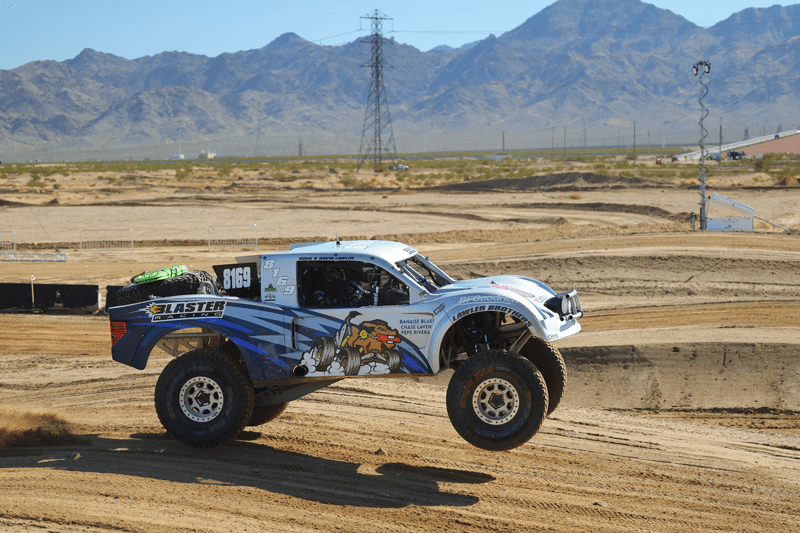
(424, 273)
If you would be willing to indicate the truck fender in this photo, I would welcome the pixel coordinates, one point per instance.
(142, 353)
(462, 310)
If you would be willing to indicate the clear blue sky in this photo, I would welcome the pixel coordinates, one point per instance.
(33, 30)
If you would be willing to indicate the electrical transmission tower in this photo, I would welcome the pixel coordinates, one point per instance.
(377, 138)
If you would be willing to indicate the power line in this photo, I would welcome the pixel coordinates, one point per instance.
(337, 35)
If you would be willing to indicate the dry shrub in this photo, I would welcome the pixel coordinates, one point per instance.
(35, 429)
(576, 196)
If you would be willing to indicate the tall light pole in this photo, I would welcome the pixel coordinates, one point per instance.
(700, 69)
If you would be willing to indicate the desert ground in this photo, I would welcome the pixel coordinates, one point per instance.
(682, 410)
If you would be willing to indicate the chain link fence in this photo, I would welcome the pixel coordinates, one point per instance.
(233, 235)
(105, 240)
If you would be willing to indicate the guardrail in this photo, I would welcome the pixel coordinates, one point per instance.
(104, 240)
(224, 235)
(741, 144)
(33, 256)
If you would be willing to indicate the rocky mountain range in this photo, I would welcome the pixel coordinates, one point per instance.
(593, 62)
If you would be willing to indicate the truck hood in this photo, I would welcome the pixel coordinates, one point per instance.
(527, 288)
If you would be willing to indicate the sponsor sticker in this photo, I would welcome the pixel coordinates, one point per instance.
(495, 308)
(334, 257)
(270, 293)
(482, 298)
(165, 312)
(515, 290)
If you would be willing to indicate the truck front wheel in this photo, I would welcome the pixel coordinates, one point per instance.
(497, 400)
(204, 398)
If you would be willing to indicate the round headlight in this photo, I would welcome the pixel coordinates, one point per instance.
(565, 306)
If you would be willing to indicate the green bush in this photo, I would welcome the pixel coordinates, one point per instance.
(350, 181)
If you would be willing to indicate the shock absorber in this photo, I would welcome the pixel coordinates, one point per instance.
(477, 340)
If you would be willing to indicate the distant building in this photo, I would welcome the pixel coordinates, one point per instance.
(207, 154)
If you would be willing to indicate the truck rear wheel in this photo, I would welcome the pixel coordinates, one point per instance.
(497, 400)
(204, 398)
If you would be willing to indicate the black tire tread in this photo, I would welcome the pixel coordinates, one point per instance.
(550, 363)
(509, 361)
(186, 283)
(205, 356)
(262, 415)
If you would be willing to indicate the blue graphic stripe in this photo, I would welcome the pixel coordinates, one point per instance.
(226, 323)
(249, 346)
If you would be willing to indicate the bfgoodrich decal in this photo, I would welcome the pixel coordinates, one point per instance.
(185, 310)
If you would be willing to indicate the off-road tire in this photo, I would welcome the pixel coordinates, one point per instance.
(204, 398)
(547, 359)
(497, 400)
(179, 285)
(324, 350)
(262, 415)
(351, 360)
(393, 359)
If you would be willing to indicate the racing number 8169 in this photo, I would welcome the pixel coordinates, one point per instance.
(280, 281)
(236, 278)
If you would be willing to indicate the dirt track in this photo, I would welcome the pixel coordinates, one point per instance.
(682, 411)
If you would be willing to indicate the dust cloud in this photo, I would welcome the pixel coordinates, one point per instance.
(35, 429)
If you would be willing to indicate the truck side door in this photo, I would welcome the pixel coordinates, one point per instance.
(354, 318)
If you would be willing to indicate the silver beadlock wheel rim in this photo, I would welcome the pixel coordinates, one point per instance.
(495, 401)
(201, 399)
